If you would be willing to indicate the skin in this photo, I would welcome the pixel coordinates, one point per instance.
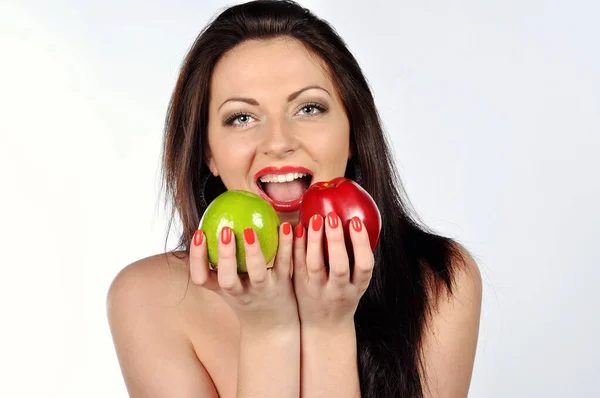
(290, 114)
(276, 132)
(299, 327)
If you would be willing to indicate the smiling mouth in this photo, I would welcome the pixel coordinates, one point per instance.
(282, 188)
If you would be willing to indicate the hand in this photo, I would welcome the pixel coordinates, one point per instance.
(263, 298)
(329, 299)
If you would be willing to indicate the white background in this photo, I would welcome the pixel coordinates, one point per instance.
(493, 109)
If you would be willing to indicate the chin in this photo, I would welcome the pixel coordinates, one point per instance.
(291, 217)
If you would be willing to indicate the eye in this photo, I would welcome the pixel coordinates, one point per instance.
(312, 108)
(240, 117)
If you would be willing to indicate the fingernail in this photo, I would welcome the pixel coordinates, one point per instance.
(287, 228)
(299, 231)
(356, 224)
(332, 219)
(249, 236)
(198, 237)
(317, 222)
(226, 235)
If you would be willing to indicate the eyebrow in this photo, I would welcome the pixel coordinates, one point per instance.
(290, 97)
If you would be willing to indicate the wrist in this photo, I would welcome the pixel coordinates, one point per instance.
(339, 329)
(282, 331)
(326, 337)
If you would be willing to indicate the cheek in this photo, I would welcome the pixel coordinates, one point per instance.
(233, 158)
(331, 148)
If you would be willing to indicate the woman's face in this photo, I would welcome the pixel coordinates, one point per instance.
(276, 123)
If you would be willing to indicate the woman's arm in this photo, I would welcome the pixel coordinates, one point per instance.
(329, 363)
(327, 302)
(264, 303)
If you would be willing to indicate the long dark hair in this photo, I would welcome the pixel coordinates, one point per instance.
(413, 264)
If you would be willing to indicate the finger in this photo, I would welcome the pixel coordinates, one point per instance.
(283, 259)
(363, 255)
(315, 265)
(227, 271)
(300, 272)
(200, 272)
(339, 272)
(255, 259)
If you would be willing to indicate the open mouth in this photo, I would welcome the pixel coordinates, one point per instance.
(284, 190)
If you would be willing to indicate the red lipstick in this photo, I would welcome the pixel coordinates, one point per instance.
(281, 207)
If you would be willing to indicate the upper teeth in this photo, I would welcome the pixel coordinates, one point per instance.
(281, 177)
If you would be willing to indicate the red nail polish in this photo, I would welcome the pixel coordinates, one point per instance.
(198, 237)
(332, 219)
(299, 231)
(249, 236)
(356, 224)
(226, 235)
(317, 222)
(287, 228)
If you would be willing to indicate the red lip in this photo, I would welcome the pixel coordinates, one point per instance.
(281, 207)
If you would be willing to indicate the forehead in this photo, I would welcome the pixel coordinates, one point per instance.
(269, 66)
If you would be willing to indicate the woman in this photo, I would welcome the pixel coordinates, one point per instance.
(268, 84)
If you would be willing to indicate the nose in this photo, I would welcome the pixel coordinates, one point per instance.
(279, 139)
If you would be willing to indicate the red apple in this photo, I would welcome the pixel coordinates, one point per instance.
(347, 199)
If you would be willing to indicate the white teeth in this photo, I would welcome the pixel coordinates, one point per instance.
(281, 177)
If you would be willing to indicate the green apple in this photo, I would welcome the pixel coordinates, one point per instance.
(240, 210)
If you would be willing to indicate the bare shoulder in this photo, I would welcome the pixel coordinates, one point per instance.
(450, 339)
(147, 307)
(161, 280)
(467, 275)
